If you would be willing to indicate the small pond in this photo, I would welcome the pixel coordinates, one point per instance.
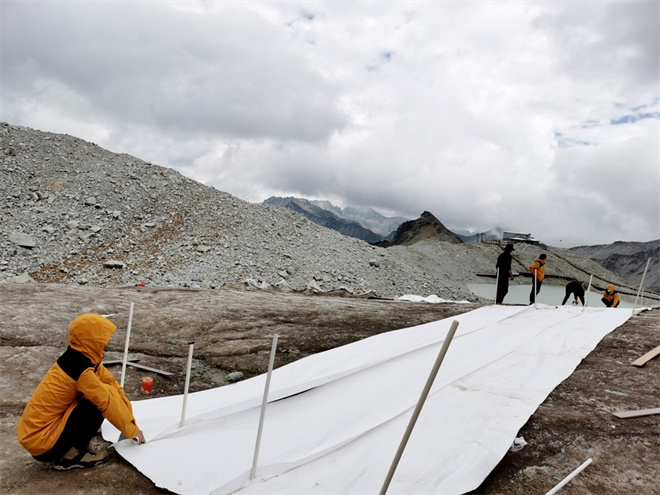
(550, 294)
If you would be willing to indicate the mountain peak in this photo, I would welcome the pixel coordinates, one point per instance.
(427, 226)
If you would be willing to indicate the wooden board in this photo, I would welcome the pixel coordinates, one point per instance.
(133, 362)
(147, 368)
(119, 361)
(639, 412)
(647, 357)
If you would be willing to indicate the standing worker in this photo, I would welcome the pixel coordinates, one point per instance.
(577, 290)
(68, 406)
(610, 297)
(538, 271)
(504, 273)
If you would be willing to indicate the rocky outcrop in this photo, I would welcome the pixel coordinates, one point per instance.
(426, 227)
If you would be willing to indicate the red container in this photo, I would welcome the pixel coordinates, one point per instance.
(147, 385)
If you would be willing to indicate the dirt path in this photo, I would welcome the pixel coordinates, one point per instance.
(233, 332)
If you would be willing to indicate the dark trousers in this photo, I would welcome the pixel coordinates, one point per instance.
(607, 303)
(502, 288)
(83, 423)
(532, 295)
(577, 296)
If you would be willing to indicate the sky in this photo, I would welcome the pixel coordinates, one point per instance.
(532, 116)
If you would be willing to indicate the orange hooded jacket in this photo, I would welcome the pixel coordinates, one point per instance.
(539, 266)
(611, 295)
(59, 393)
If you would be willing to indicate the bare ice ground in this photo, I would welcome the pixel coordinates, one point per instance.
(233, 332)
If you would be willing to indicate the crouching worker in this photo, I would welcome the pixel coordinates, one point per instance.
(610, 297)
(77, 393)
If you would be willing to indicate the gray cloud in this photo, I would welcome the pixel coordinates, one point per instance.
(531, 116)
(229, 74)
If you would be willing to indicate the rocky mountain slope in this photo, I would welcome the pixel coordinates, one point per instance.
(424, 228)
(367, 217)
(325, 218)
(628, 259)
(72, 212)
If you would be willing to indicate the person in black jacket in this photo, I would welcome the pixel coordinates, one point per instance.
(504, 273)
(577, 290)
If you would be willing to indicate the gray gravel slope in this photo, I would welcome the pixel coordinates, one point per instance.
(75, 213)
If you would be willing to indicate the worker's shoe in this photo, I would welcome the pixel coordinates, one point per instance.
(77, 459)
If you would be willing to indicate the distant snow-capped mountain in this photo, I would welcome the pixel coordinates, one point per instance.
(360, 222)
(365, 216)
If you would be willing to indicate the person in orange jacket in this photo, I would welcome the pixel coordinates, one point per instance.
(610, 297)
(538, 270)
(71, 401)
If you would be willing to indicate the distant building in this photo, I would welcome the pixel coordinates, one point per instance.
(518, 237)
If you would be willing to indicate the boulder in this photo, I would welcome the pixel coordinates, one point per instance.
(23, 279)
(114, 264)
(22, 240)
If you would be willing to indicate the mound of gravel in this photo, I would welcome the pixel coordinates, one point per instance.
(75, 213)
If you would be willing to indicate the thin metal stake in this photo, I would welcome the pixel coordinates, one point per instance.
(586, 302)
(640, 286)
(497, 283)
(420, 404)
(534, 288)
(263, 407)
(185, 390)
(128, 338)
(570, 477)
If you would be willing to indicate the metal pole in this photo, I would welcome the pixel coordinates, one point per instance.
(586, 301)
(570, 477)
(640, 286)
(263, 406)
(534, 288)
(128, 338)
(418, 408)
(497, 283)
(185, 390)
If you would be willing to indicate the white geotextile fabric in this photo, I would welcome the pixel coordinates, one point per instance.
(341, 434)
(430, 299)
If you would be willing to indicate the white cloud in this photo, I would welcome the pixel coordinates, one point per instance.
(484, 113)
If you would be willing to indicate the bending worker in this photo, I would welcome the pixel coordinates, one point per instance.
(610, 297)
(68, 406)
(577, 289)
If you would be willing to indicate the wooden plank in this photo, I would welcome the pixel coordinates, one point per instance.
(119, 361)
(647, 357)
(133, 362)
(147, 368)
(639, 412)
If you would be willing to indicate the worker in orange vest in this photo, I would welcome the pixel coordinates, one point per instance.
(538, 271)
(610, 297)
(72, 400)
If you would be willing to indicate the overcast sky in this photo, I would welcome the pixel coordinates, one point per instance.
(537, 117)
